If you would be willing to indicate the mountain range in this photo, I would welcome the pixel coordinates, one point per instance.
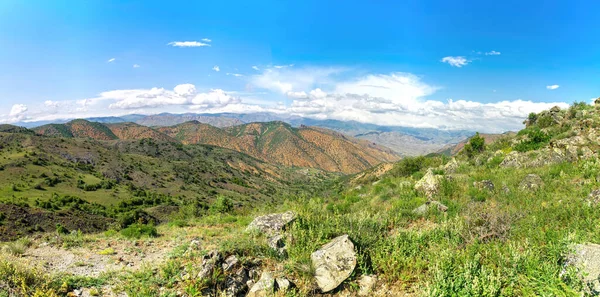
(274, 142)
(406, 141)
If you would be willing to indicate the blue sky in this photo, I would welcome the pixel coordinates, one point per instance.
(373, 62)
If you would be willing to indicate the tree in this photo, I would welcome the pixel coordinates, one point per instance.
(475, 145)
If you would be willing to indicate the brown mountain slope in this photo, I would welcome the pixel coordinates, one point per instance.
(279, 143)
(77, 129)
(132, 131)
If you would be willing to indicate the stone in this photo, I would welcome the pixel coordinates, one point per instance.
(593, 198)
(272, 223)
(586, 259)
(283, 284)
(209, 262)
(513, 159)
(429, 184)
(236, 284)
(229, 263)
(484, 185)
(366, 284)
(264, 287)
(277, 243)
(424, 208)
(334, 262)
(532, 182)
(451, 166)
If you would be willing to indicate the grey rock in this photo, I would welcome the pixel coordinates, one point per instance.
(209, 262)
(334, 262)
(429, 184)
(532, 182)
(283, 284)
(229, 263)
(277, 243)
(484, 185)
(366, 284)
(264, 287)
(272, 223)
(593, 198)
(425, 207)
(586, 259)
(451, 166)
(236, 284)
(514, 160)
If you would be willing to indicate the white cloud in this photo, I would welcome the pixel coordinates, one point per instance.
(206, 40)
(17, 110)
(255, 68)
(457, 61)
(51, 104)
(284, 80)
(216, 68)
(552, 87)
(235, 74)
(297, 95)
(283, 66)
(492, 53)
(136, 66)
(188, 44)
(111, 60)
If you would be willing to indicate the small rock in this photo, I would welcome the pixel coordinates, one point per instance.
(505, 189)
(276, 242)
(264, 287)
(586, 259)
(272, 223)
(209, 262)
(532, 182)
(451, 166)
(229, 263)
(283, 284)
(484, 185)
(236, 284)
(424, 208)
(429, 184)
(593, 198)
(366, 285)
(334, 263)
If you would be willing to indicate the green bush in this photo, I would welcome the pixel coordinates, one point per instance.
(222, 205)
(138, 230)
(475, 146)
(536, 140)
(60, 229)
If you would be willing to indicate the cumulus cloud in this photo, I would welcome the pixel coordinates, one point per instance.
(136, 66)
(111, 60)
(188, 44)
(183, 95)
(458, 61)
(216, 68)
(17, 113)
(492, 53)
(552, 87)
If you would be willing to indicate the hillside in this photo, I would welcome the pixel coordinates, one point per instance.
(453, 149)
(516, 217)
(77, 129)
(280, 143)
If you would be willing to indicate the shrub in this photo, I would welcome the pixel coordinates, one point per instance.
(222, 205)
(60, 229)
(476, 145)
(138, 230)
(536, 139)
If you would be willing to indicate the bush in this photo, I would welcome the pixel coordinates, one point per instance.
(536, 139)
(222, 205)
(475, 146)
(138, 230)
(60, 229)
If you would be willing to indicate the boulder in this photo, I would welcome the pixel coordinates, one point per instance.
(425, 207)
(484, 185)
(272, 223)
(209, 262)
(366, 284)
(264, 287)
(429, 184)
(532, 182)
(513, 159)
(334, 262)
(586, 259)
(451, 166)
(277, 243)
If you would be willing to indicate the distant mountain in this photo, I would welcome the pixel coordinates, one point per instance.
(274, 142)
(454, 149)
(283, 144)
(405, 141)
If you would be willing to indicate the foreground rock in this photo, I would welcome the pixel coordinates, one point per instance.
(272, 223)
(429, 184)
(532, 182)
(484, 185)
(334, 263)
(366, 284)
(264, 287)
(586, 259)
(593, 198)
(209, 262)
(425, 207)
